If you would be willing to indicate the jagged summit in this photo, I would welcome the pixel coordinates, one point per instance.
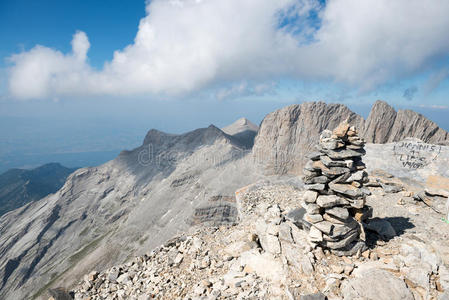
(287, 134)
(239, 126)
(189, 140)
(385, 125)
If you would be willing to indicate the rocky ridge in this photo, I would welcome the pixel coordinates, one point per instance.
(267, 256)
(134, 203)
(269, 253)
(288, 134)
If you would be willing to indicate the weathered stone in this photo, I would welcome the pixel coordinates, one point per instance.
(357, 176)
(315, 186)
(316, 179)
(331, 144)
(324, 226)
(345, 241)
(344, 153)
(375, 284)
(330, 201)
(346, 189)
(310, 196)
(341, 130)
(339, 212)
(315, 235)
(312, 208)
(313, 218)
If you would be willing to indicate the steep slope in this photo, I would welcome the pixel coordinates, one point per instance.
(19, 187)
(385, 125)
(102, 215)
(286, 135)
(242, 130)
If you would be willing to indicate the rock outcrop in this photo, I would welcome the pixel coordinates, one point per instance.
(288, 134)
(385, 125)
(266, 256)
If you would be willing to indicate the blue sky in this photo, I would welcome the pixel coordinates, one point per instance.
(119, 68)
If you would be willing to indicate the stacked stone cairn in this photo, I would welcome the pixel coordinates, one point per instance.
(335, 197)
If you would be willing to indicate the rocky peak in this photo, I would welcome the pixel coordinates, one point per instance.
(379, 123)
(241, 125)
(385, 125)
(288, 134)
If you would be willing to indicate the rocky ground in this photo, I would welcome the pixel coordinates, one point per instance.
(267, 256)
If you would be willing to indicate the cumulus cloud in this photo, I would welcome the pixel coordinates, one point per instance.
(187, 45)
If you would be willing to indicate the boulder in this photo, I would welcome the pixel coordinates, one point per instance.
(374, 284)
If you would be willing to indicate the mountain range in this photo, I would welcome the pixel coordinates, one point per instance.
(104, 215)
(19, 186)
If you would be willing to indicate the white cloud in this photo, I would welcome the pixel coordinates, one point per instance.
(186, 45)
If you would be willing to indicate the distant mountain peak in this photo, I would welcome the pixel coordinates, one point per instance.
(241, 125)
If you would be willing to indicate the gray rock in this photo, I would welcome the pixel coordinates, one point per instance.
(316, 296)
(113, 274)
(316, 186)
(313, 218)
(374, 284)
(60, 294)
(330, 201)
(333, 163)
(312, 208)
(348, 239)
(339, 212)
(346, 189)
(310, 196)
(344, 153)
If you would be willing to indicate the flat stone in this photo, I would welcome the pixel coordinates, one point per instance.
(310, 196)
(312, 208)
(343, 153)
(330, 201)
(330, 171)
(332, 163)
(324, 226)
(339, 212)
(357, 176)
(348, 239)
(340, 230)
(357, 203)
(313, 218)
(375, 284)
(332, 219)
(316, 179)
(315, 186)
(346, 189)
